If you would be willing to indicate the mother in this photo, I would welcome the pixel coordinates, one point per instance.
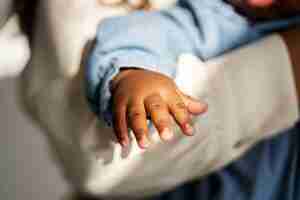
(52, 90)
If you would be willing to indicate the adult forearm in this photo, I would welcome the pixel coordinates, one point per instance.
(292, 40)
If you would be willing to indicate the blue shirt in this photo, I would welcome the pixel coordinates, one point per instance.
(154, 40)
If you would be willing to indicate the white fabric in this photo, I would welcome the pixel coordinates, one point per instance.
(14, 48)
(246, 91)
(6, 9)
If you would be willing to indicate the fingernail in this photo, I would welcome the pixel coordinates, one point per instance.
(167, 134)
(144, 143)
(189, 129)
(124, 143)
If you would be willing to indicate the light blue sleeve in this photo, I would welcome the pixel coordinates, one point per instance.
(154, 40)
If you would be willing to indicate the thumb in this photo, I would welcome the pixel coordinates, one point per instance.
(194, 106)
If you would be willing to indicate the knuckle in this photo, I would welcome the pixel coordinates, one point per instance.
(180, 105)
(155, 106)
(117, 113)
(162, 122)
(119, 108)
(119, 97)
(182, 117)
(189, 97)
(135, 109)
(134, 115)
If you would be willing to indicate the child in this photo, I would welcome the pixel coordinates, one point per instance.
(153, 41)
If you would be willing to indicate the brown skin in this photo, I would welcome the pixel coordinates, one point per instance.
(277, 9)
(162, 100)
(135, 100)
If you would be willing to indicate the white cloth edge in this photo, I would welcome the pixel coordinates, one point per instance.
(15, 51)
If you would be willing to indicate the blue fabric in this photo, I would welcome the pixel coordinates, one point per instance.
(270, 171)
(153, 41)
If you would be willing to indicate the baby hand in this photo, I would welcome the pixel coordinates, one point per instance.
(140, 94)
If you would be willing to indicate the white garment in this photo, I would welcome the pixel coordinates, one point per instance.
(14, 48)
(251, 96)
(6, 9)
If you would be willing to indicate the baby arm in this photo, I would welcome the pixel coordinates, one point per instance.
(153, 41)
(159, 100)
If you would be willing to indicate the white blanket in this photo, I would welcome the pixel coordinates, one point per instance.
(245, 96)
(14, 48)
